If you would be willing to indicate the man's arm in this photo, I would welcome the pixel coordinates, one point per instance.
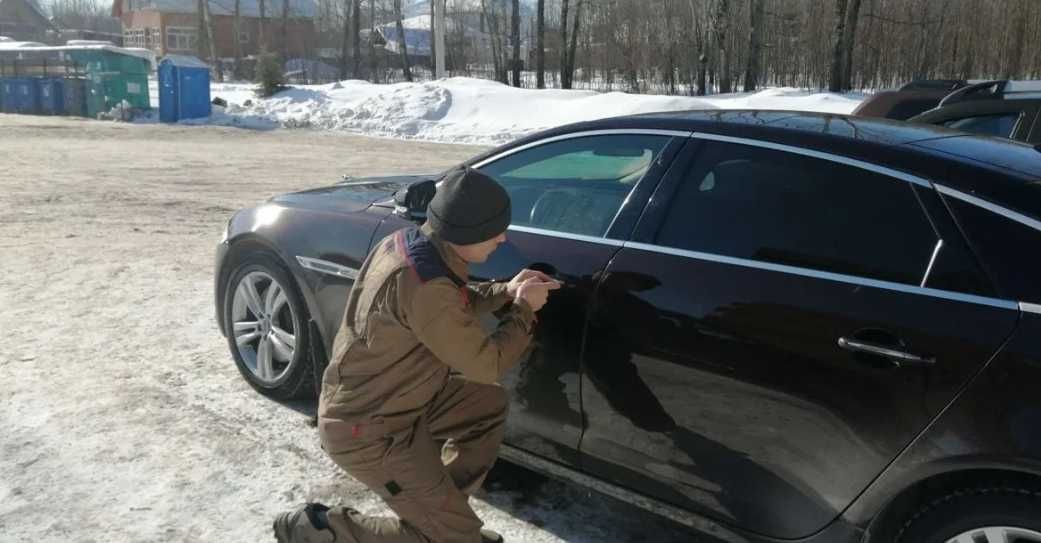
(489, 296)
(441, 321)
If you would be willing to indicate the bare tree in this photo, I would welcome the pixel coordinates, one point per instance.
(849, 38)
(540, 53)
(346, 38)
(755, 45)
(204, 41)
(564, 83)
(261, 38)
(721, 27)
(515, 37)
(356, 38)
(285, 30)
(374, 73)
(237, 25)
(405, 69)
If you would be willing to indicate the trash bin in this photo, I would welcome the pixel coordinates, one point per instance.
(184, 89)
(75, 96)
(106, 90)
(52, 96)
(22, 95)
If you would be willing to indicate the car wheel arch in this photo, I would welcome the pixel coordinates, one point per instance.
(910, 498)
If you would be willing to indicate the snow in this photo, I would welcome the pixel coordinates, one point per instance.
(469, 111)
(473, 111)
(78, 45)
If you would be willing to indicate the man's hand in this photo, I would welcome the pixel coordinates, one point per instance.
(524, 275)
(534, 291)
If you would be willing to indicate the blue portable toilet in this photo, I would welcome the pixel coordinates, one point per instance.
(184, 89)
(52, 95)
(22, 95)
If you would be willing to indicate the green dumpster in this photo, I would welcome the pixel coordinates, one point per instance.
(113, 78)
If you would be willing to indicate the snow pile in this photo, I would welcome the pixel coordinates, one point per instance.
(473, 111)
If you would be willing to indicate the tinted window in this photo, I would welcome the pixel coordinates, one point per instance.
(1010, 251)
(779, 207)
(575, 185)
(991, 125)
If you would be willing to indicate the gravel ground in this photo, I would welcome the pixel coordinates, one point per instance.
(122, 416)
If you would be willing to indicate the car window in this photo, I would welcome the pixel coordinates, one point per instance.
(576, 185)
(992, 125)
(779, 207)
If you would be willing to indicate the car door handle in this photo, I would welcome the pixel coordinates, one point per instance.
(898, 358)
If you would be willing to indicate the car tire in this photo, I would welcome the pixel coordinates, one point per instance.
(267, 330)
(988, 515)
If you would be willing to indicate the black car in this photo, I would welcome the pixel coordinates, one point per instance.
(1008, 109)
(774, 326)
(1003, 108)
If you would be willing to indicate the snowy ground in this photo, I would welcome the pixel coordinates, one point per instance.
(122, 417)
(474, 111)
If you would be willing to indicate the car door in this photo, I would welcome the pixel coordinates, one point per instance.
(780, 327)
(574, 199)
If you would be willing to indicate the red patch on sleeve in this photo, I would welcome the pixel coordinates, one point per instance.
(465, 295)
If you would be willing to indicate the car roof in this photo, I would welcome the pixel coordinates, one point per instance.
(924, 150)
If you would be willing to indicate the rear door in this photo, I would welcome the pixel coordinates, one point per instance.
(574, 199)
(782, 325)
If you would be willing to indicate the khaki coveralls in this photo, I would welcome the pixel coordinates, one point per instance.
(411, 369)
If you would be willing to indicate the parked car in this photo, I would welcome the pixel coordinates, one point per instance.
(1008, 109)
(909, 100)
(775, 325)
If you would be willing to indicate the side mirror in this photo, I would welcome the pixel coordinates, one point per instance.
(411, 202)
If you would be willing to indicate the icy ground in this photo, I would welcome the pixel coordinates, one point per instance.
(122, 416)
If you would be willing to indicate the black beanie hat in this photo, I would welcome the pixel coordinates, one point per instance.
(469, 207)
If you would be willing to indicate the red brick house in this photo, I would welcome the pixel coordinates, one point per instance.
(172, 26)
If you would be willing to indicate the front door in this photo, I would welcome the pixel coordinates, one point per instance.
(776, 334)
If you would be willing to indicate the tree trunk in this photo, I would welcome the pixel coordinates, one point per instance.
(755, 45)
(346, 38)
(540, 54)
(401, 36)
(564, 83)
(356, 38)
(572, 46)
(207, 30)
(852, 16)
(261, 40)
(373, 68)
(722, 27)
(838, 39)
(237, 23)
(285, 30)
(1019, 14)
(515, 37)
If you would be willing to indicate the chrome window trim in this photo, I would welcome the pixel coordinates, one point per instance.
(584, 134)
(1030, 308)
(889, 172)
(994, 208)
(829, 276)
(328, 268)
(932, 261)
(567, 235)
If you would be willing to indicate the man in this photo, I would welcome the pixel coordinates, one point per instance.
(409, 404)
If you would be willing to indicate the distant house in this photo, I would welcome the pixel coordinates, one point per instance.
(172, 26)
(22, 20)
(417, 36)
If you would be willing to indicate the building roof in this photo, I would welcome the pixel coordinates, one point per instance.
(247, 8)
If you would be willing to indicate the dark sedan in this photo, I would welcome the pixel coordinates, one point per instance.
(774, 325)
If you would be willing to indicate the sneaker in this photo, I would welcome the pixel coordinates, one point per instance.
(488, 536)
(307, 524)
